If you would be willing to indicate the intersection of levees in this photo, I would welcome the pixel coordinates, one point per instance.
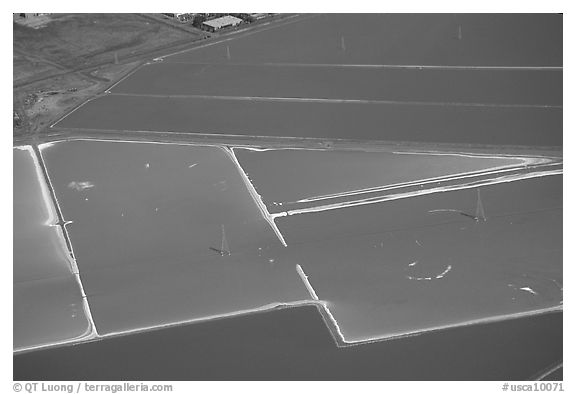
(424, 263)
(293, 180)
(463, 226)
(49, 306)
(148, 234)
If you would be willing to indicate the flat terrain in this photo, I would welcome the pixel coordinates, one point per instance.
(148, 224)
(397, 267)
(467, 79)
(76, 40)
(397, 39)
(435, 86)
(76, 56)
(286, 178)
(167, 234)
(324, 120)
(48, 304)
(294, 344)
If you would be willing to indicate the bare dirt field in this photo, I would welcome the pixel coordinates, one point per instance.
(74, 40)
(70, 57)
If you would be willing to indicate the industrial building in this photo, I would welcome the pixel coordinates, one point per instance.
(220, 23)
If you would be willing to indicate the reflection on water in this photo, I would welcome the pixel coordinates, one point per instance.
(292, 344)
(370, 85)
(325, 120)
(289, 179)
(391, 269)
(168, 234)
(48, 303)
(401, 39)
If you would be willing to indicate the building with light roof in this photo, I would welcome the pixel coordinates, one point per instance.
(222, 22)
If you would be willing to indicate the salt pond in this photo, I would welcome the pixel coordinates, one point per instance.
(397, 39)
(167, 234)
(48, 304)
(326, 120)
(485, 87)
(293, 344)
(399, 267)
(288, 179)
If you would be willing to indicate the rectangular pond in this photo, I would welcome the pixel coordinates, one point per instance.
(488, 87)
(325, 120)
(417, 264)
(49, 307)
(288, 179)
(165, 234)
(293, 344)
(404, 39)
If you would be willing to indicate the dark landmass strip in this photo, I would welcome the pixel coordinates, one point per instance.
(295, 344)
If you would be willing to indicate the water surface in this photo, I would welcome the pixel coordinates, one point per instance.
(326, 120)
(294, 344)
(286, 177)
(405, 39)
(488, 86)
(166, 233)
(48, 303)
(392, 268)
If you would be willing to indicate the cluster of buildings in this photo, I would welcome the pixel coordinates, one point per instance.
(31, 14)
(182, 17)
